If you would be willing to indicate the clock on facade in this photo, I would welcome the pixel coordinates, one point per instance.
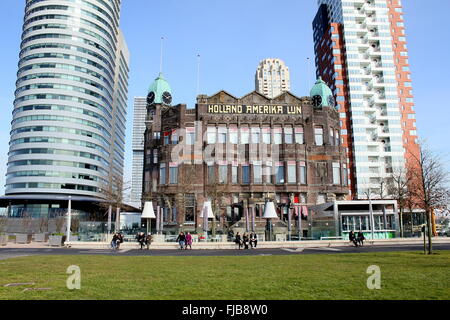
(151, 97)
(317, 101)
(167, 97)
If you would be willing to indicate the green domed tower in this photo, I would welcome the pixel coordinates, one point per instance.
(159, 92)
(322, 95)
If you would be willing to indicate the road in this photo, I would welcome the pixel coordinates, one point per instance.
(8, 253)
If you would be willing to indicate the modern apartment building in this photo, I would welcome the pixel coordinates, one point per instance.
(272, 78)
(140, 113)
(361, 54)
(68, 127)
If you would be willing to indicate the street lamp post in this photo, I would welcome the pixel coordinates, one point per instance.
(206, 214)
(148, 213)
(69, 218)
(269, 213)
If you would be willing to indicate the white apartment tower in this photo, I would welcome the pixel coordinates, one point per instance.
(69, 116)
(272, 78)
(361, 54)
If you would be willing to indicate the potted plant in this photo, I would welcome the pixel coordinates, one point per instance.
(43, 228)
(56, 239)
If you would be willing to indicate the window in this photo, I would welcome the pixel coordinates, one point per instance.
(336, 173)
(223, 173)
(190, 136)
(277, 136)
(162, 173)
(299, 136)
(257, 173)
(256, 135)
(155, 156)
(331, 137)
(211, 174)
(166, 137)
(246, 174)
(174, 136)
(222, 135)
(234, 173)
(245, 135)
(173, 173)
(288, 136)
(211, 135)
(279, 172)
(345, 175)
(336, 137)
(266, 136)
(292, 172)
(318, 135)
(234, 137)
(303, 172)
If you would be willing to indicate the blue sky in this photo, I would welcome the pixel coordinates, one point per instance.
(232, 36)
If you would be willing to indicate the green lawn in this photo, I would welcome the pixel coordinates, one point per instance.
(342, 276)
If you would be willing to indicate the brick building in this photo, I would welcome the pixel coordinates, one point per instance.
(239, 153)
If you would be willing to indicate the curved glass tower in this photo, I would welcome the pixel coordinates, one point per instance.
(68, 127)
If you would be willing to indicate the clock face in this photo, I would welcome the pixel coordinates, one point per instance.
(167, 98)
(317, 101)
(151, 97)
(331, 101)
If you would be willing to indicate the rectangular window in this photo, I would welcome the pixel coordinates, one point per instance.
(299, 136)
(277, 136)
(211, 135)
(288, 136)
(246, 174)
(162, 174)
(173, 173)
(318, 135)
(174, 136)
(155, 156)
(336, 137)
(190, 136)
(234, 136)
(256, 135)
(222, 135)
(279, 172)
(292, 172)
(234, 173)
(245, 135)
(331, 137)
(336, 173)
(266, 136)
(223, 173)
(303, 172)
(211, 174)
(345, 175)
(166, 137)
(321, 198)
(257, 173)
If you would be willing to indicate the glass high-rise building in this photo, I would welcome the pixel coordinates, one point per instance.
(69, 116)
(140, 114)
(361, 53)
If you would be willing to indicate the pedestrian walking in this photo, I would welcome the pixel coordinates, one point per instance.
(188, 241)
(181, 239)
(238, 240)
(253, 240)
(148, 240)
(245, 241)
(114, 241)
(141, 239)
(361, 238)
(352, 238)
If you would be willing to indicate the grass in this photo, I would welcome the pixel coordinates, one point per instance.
(404, 275)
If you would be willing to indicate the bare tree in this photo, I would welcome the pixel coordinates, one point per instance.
(113, 193)
(3, 224)
(398, 189)
(43, 224)
(429, 184)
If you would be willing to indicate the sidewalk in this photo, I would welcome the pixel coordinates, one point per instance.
(231, 245)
